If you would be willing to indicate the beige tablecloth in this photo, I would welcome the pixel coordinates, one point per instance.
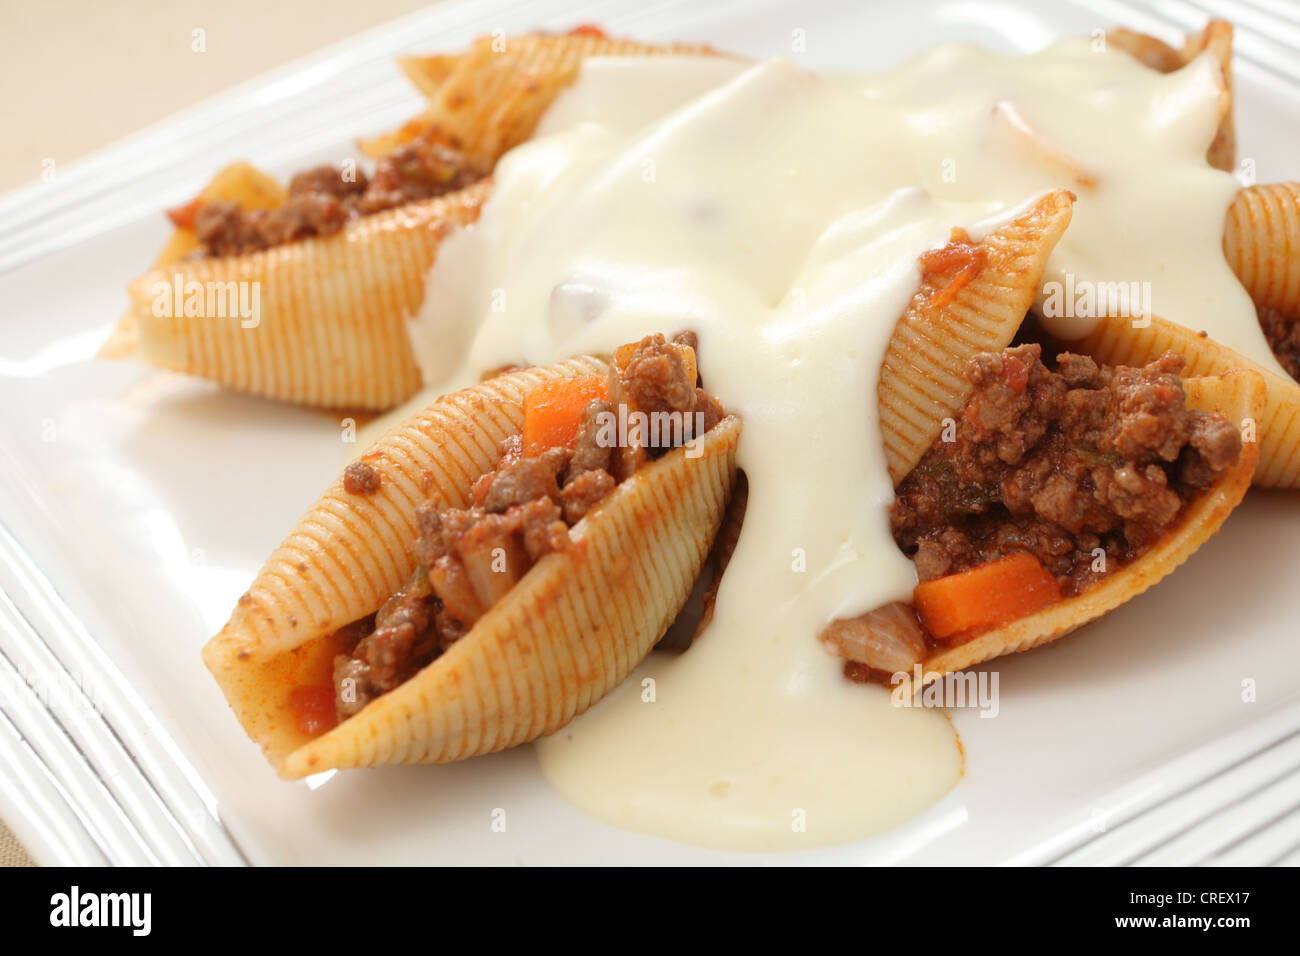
(93, 72)
(11, 851)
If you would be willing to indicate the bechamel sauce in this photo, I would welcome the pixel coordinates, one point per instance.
(1127, 140)
(780, 216)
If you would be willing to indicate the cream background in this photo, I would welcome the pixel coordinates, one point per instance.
(79, 74)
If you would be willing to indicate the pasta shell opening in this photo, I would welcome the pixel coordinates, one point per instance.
(952, 317)
(320, 321)
(1240, 397)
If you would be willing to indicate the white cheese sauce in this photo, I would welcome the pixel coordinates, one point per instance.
(1128, 141)
(780, 216)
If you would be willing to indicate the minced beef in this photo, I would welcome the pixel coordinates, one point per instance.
(589, 452)
(584, 491)
(417, 170)
(323, 200)
(1283, 334)
(469, 558)
(1060, 463)
(656, 379)
(521, 481)
(361, 478)
(656, 382)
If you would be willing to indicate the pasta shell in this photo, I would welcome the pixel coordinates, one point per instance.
(1160, 56)
(311, 586)
(575, 625)
(1261, 239)
(1146, 49)
(332, 311)
(428, 73)
(1116, 341)
(1238, 395)
(493, 95)
(1216, 37)
(240, 183)
(922, 379)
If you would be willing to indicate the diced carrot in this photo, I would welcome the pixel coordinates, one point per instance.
(993, 594)
(553, 411)
(184, 215)
(313, 706)
(588, 30)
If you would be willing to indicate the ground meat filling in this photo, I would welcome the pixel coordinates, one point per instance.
(655, 382)
(325, 199)
(1083, 467)
(469, 558)
(1283, 334)
(361, 478)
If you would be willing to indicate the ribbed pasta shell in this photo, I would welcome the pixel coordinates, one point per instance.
(239, 183)
(1261, 239)
(333, 310)
(428, 73)
(494, 94)
(1215, 37)
(350, 552)
(1237, 395)
(1146, 49)
(570, 629)
(576, 624)
(922, 379)
(1116, 342)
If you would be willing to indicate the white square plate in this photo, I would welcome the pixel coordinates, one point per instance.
(136, 506)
